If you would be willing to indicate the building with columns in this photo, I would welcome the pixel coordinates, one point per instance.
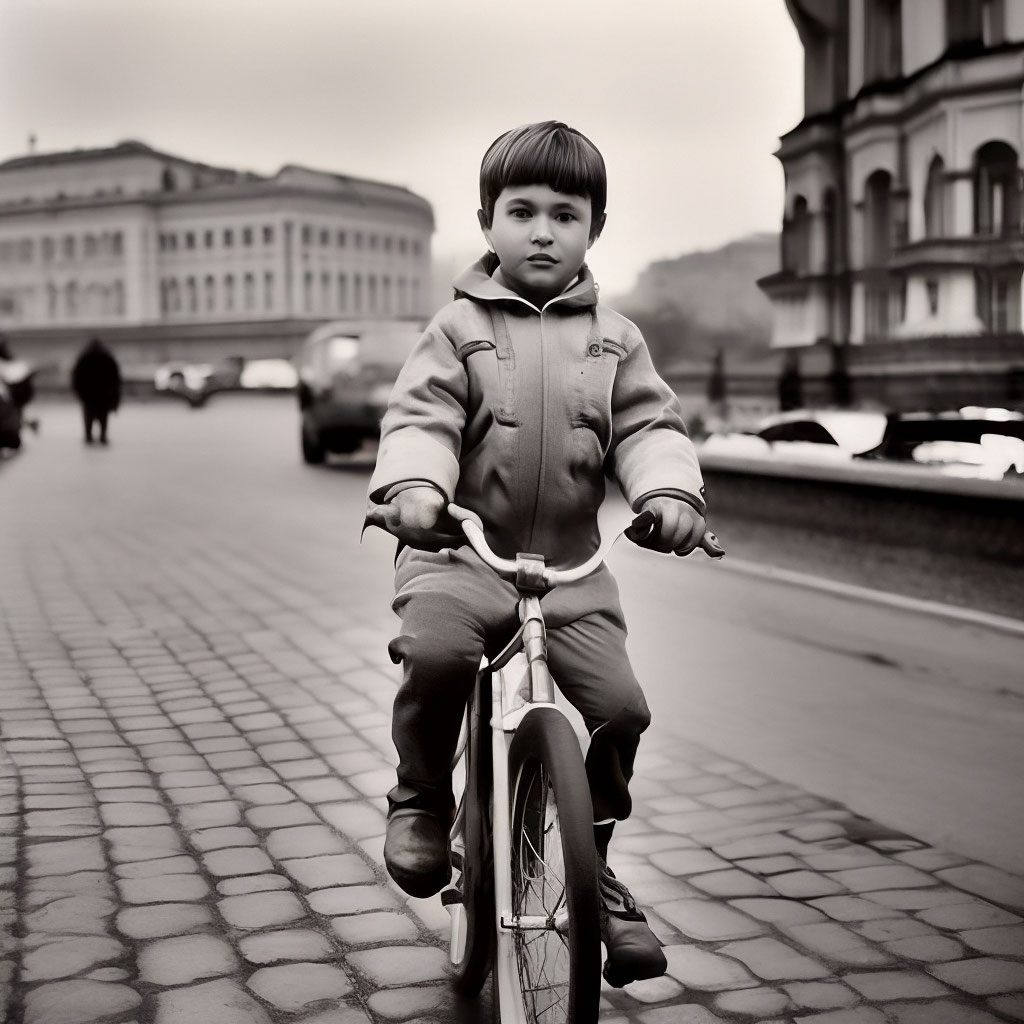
(903, 220)
(174, 258)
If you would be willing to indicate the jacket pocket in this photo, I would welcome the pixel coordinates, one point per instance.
(597, 378)
(492, 372)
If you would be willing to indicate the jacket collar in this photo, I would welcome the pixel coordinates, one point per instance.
(477, 282)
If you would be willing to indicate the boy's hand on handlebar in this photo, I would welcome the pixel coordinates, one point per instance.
(418, 518)
(679, 528)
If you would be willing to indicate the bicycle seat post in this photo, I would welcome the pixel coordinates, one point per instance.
(531, 584)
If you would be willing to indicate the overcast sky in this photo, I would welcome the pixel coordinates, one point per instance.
(685, 98)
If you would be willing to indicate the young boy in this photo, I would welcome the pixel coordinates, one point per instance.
(521, 395)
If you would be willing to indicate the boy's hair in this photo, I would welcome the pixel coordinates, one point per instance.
(547, 153)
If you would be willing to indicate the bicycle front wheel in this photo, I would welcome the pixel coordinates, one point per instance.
(555, 908)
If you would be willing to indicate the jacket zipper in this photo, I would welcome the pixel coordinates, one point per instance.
(542, 462)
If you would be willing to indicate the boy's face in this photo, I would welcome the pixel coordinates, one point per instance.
(540, 237)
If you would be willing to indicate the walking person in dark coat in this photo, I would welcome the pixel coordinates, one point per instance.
(96, 380)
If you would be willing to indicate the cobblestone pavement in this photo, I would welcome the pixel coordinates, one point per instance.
(193, 757)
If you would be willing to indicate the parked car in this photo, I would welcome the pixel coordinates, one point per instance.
(269, 375)
(804, 435)
(971, 442)
(346, 372)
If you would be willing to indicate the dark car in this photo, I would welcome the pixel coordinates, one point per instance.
(971, 442)
(346, 372)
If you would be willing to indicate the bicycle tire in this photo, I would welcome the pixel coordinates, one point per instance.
(552, 832)
(477, 883)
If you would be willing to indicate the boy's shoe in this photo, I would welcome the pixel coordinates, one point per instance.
(634, 952)
(417, 851)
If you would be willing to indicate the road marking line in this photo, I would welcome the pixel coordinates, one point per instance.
(855, 592)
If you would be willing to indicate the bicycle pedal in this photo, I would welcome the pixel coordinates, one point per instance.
(451, 896)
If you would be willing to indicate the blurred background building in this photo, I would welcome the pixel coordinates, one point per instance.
(902, 247)
(173, 259)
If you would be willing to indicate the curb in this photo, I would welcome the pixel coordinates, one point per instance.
(852, 591)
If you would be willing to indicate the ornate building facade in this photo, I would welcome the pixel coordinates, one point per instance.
(904, 219)
(138, 243)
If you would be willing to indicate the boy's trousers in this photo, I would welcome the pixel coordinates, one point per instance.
(455, 609)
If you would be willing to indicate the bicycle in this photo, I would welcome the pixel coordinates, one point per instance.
(524, 896)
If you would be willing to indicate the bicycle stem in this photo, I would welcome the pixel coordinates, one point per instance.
(542, 685)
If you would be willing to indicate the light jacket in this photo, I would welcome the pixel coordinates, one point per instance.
(519, 413)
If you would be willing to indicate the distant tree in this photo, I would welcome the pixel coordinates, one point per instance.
(716, 381)
(791, 385)
(839, 381)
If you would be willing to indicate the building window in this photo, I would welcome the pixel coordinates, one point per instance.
(403, 300)
(998, 295)
(210, 287)
(325, 236)
(373, 242)
(116, 243)
(403, 245)
(325, 290)
(118, 296)
(417, 248)
(71, 299)
(342, 239)
(359, 240)
(796, 239)
(90, 246)
(342, 293)
(229, 238)
(268, 290)
(172, 243)
(997, 199)
(69, 247)
(208, 239)
(357, 293)
(246, 236)
(993, 22)
(883, 40)
(229, 293)
(388, 242)
(877, 219)
(25, 249)
(250, 292)
(932, 290)
(167, 180)
(385, 298)
(307, 289)
(965, 30)
(268, 235)
(307, 234)
(191, 298)
(190, 240)
(51, 301)
(371, 293)
(47, 249)
(173, 296)
(935, 200)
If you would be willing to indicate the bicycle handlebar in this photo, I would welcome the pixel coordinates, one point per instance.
(641, 527)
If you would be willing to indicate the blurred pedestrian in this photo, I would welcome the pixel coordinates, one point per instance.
(96, 380)
(17, 389)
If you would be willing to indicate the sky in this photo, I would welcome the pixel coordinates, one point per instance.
(686, 99)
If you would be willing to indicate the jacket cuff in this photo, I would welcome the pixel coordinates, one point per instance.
(412, 455)
(673, 492)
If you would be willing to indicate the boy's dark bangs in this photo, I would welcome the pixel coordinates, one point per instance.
(559, 160)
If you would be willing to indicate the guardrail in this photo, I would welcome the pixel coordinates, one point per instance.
(906, 507)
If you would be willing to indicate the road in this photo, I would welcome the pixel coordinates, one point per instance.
(194, 748)
(904, 717)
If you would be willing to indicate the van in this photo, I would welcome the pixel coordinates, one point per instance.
(346, 372)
